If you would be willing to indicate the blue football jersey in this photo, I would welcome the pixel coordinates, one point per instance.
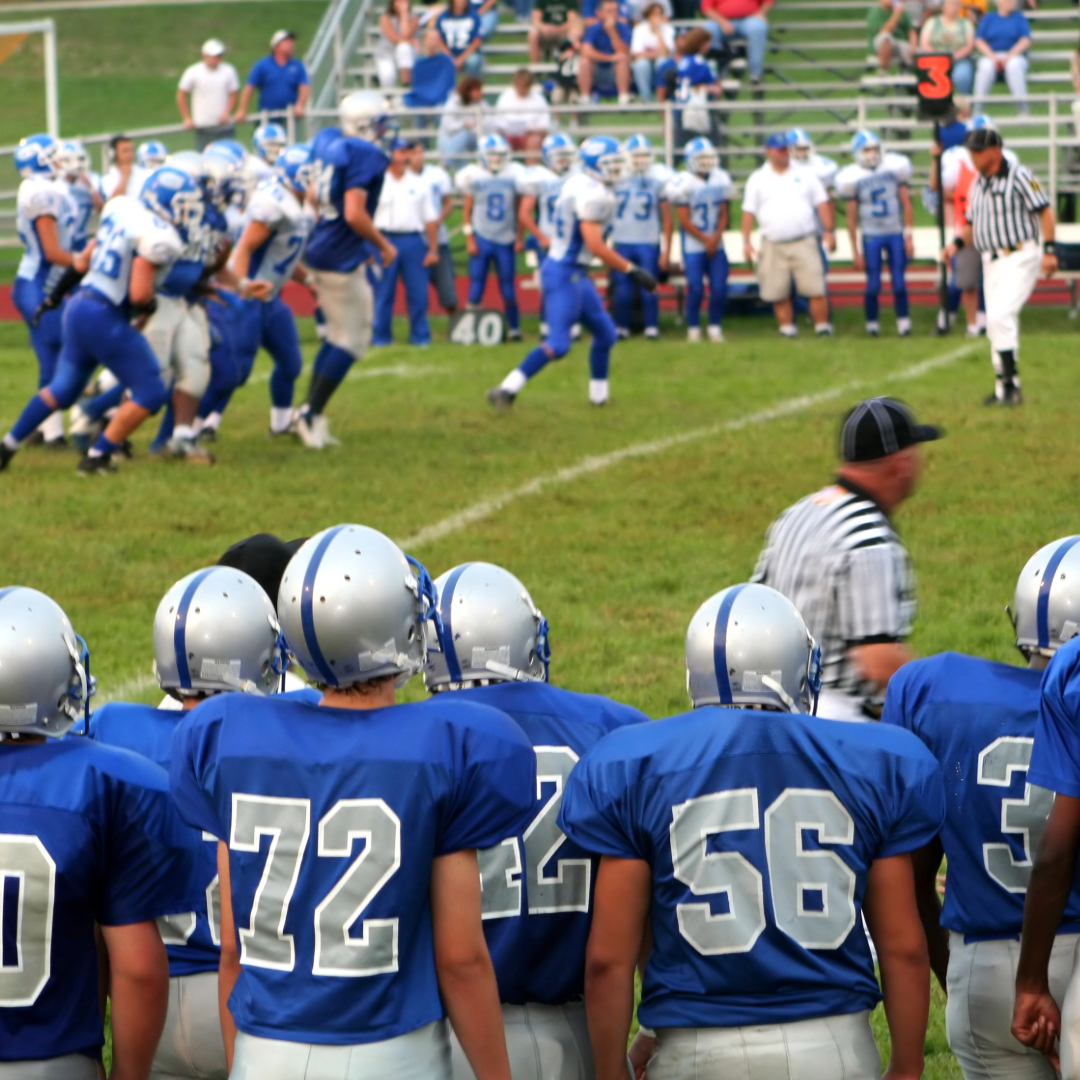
(1055, 758)
(344, 163)
(333, 819)
(978, 719)
(538, 884)
(192, 938)
(637, 207)
(88, 833)
(760, 829)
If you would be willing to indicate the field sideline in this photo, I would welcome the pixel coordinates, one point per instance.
(618, 556)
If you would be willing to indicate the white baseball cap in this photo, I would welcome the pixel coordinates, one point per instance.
(280, 36)
(213, 47)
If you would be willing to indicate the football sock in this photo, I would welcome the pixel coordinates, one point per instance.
(280, 419)
(513, 382)
(103, 447)
(333, 362)
(184, 432)
(165, 431)
(599, 360)
(598, 391)
(534, 363)
(97, 407)
(35, 412)
(322, 390)
(53, 428)
(512, 318)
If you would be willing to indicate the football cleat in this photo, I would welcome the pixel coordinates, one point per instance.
(97, 465)
(6, 454)
(501, 399)
(693, 334)
(188, 450)
(715, 333)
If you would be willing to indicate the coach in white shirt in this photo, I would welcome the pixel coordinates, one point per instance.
(440, 188)
(408, 218)
(789, 205)
(522, 116)
(206, 95)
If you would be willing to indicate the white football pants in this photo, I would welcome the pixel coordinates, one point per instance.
(545, 1042)
(829, 1048)
(982, 992)
(1008, 283)
(191, 1045)
(1069, 1044)
(348, 305)
(179, 334)
(69, 1067)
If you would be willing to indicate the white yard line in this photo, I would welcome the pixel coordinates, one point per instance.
(493, 504)
(124, 691)
(391, 371)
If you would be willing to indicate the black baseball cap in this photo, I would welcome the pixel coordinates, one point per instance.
(983, 138)
(881, 426)
(264, 557)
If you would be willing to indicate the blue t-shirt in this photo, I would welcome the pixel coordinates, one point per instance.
(590, 9)
(344, 163)
(1055, 758)
(433, 79)
(88, 834)
(458, 31)
(760, 829)
(335, 938)
(978, 719)
(278, 84)
(954, 134)
(192, 938)
(1002, 32)
(538, 888)
(599, 39)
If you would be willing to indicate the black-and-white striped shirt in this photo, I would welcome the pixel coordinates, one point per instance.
(837, 558)
(1004, 209)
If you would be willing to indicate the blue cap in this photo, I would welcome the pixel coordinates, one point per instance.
(778, 140)
(402, 144)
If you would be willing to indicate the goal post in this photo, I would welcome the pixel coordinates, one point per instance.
(12, 35)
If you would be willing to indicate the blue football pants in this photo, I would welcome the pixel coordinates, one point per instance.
(647, 256)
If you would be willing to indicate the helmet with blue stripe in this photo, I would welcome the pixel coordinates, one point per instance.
(748, 647)
(802, 146)
(640, 152)
(296, 167)
(45, 683)
(222, 175)
(269, 140)
(36, 156)
(365, 114)
(216, 630)
(981, 122)
(866, 149)
(175, 196)
(1046, 604)
(72, 160)
(602, 158)
(493, 632)
(229, 149)
(151, 154)
(493, 152)
(701, 156)
(558, 151)
(352, 607)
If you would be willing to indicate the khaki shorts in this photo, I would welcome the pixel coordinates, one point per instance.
(793, 260)
(901, 50)
(968, 269)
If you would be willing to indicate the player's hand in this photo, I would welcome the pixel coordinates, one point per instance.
(256, 290)
(948, 253)
(45, 306)
(641, 277)
(664, 262)
(387, 252)
(748, 252)
(909, 246)
(519, 245)
(711, 244)
(471, 245)
(431, 258)
(189, 124)
(1049, 265)
(858, 262)
(1037, 1021)
(641, 1050)
(544, 241)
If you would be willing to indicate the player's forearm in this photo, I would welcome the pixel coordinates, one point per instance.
(908, 209)
(139, 993)
(432, 231)
(905, 986)
(925, 865)
(228, 973)
(471, 998)
(690, 228)
(526, 216)
(609, 1008)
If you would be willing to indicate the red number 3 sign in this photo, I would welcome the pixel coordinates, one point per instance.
(935, 81)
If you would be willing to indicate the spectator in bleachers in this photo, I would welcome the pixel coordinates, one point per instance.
(741, 20)
(487, 11)
(281, 79)
(948, 31)
(206, 95)
(459, 28)
(690, 82)
(652, 42)
(522, 116)
(1003, 38)
(605, 54)
(590, 11)
(460, 124)
(892, 35)
(396, 52)
(554, 22)
(639, 9)
(434, 75)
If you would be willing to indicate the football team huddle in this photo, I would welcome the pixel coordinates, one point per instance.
(270, 878)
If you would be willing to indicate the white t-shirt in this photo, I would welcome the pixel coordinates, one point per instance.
(440, 187)
(784, 203)
(111, 180)
(516, 115)
(209, 90)
(645, 37)
(405, 205)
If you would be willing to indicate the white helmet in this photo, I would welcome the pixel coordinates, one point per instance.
(1046, 605)
(364, 114)
(353, 605)
(492, 630)
(45, 683)
(72, 159)
(216, 630)
(748, 645)
(866, 149)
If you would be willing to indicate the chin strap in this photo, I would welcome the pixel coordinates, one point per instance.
(280, 660)
(780, 692)
(543, 645)
(80, 654)
(429, 601)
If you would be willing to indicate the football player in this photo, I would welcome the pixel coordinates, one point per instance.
(90, 846)
(350, 176)
(641, 232)
(879, 206)
(82, 185)
(137, 240)
(151, 155)
(268, 142)
(536, 886)
(701, 195)
(490, 189)
(347, 955)
(583, 212)
(978, 719)
(207, 616)
(804, 153)
(751, 837)
(45, 220)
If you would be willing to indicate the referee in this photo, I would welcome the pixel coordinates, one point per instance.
(836, 556)
(1006, 211)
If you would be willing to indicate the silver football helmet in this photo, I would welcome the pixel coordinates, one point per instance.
(353, 605)
(493, 632)
(216, 630)
(748, 645)
(1046, 605)
(45, 683)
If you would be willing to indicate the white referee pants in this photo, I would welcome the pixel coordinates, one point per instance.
(1008, 283)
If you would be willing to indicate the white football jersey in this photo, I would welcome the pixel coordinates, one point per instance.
(290, 223)
(494, 215)
(38, 197)
(128, 229)
(824, 168)
(637, 206)
(82, 203)
(582, 198)
(544, 185)
(704, 196)
(877, 193)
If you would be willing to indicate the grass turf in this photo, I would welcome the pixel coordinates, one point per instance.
(618, 558)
